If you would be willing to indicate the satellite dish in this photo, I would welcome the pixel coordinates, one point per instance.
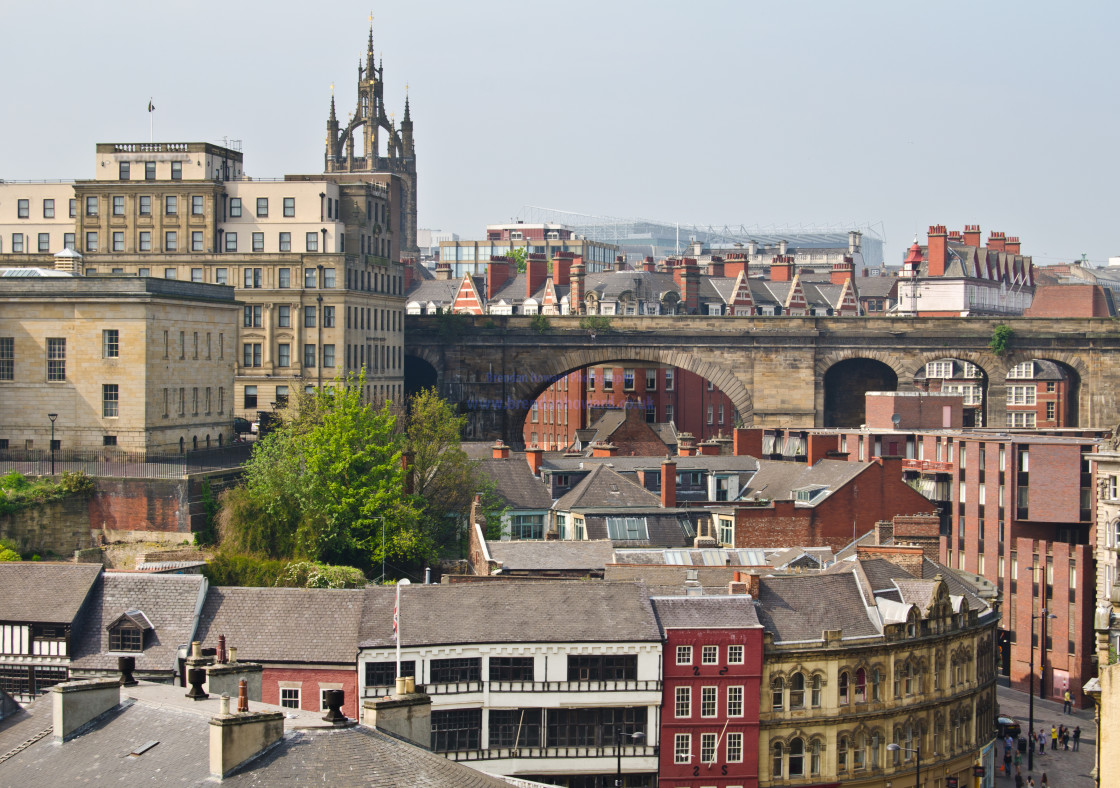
(896, 420)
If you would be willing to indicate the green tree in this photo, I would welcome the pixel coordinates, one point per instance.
(319, 485)
(519, 255)
(444, 478)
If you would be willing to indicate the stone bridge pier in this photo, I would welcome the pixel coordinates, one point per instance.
(786, 371)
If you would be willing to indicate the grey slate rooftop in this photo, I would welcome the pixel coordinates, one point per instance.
(552, 555)
(59, 590)
(604, 487)
(169, 602)
(798, 608)
(284, 624)
(509, 612)
(736, 611)
(515, 483)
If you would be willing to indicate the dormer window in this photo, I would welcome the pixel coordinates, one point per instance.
(128, 633)
(809, 494)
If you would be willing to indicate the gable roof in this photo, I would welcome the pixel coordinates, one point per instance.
(42, 592)
(538, 612)
(305, 625)
(170, 604)
(778, 480)
(604, 488)
(515, 483)
(735, 611)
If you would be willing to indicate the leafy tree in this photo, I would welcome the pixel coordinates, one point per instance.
(318, 486)
(519, 255)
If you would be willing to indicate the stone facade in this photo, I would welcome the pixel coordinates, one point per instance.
(112, 357)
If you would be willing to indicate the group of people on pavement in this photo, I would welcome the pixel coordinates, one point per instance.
(1035, 742)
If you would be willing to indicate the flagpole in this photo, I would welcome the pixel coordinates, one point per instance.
(397, 622)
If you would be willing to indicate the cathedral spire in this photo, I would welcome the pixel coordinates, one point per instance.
(407, 117)
(333, 118)
(369, 46)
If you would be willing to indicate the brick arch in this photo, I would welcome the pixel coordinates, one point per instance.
(551, 368)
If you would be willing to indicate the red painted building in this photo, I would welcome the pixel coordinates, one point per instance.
(663, 394)
(712, 677)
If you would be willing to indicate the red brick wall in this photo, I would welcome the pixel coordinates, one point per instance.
(922, 411)
(140, 505)
(309, 691)
(1055, 491)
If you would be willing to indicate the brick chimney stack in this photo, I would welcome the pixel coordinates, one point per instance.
(715, 266)
(781, 268)
(562, 268)
(498, 272)
(499, 451)
(842, 271)
(1012, 245)
(536, 271)
(648, 265)
(997, 241)
(709, 448)
(972, 235)
(686, 444)
(603, 449)
(443, 270)
(688, 277)
(746, 442)
(535, 457)
(735, 264)
(575, 295)
(938, 252)
(668, 483)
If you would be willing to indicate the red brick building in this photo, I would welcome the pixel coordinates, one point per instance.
(712, 680)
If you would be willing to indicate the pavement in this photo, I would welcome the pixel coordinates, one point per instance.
(1063, 769)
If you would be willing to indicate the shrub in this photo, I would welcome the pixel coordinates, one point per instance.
(1001, 339)
(8, 555)
(540, 324)
(596, 323)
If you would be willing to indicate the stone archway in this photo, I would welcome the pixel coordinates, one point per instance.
(845, 385)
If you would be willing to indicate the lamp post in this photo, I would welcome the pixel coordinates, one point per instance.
(1043, 614)
(52, 417)
(892, 747)
(638, 737)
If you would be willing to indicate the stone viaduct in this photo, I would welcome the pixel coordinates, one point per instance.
(788, 371)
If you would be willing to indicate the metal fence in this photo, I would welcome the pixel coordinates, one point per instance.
(119, 463)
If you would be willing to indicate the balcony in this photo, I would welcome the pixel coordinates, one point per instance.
(590, 751)
(461, 687)
(927, 466)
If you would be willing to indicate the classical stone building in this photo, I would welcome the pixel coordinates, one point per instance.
(315, 259)
(141, 364)
(890, 649)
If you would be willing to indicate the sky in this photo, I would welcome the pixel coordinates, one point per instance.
(890, 115)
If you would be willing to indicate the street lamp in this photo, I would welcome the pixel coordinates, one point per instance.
(893, 747)
(1043, 614)
(52, 417)
(637, 737)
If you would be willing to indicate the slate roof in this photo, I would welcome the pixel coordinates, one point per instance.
(698, 462)
(663, 528)
(47, 593)
(509, 612)
(705, 612)
(438, 291)
(552, 555)
(515, 483)
(295, 625)
(777, 480)
(23, 724)
(169, 602)
(604, 487)
(335, 757)
(801, 607)
(709, 556)
(877, 286)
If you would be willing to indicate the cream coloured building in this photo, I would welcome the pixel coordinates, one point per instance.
(141, 364)
(888, 649)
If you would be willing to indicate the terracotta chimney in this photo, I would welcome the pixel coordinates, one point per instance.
(499, 451)
(972, 235)
(746, 441)
(781, 268)
(669, 483)
(648, 265)
(709, 448)
(443, 270)
(686, 444)
(715, 266)
(997, 241)
(1012, 245)
(603, 449)
(498, 272)
(562, 268)
(842, 271)
(536, 271)
(535, 457)
(937, 250)
(575, 295)
(735, 264)
(687, 277)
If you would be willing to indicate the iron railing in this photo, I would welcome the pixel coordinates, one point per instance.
(109, 462)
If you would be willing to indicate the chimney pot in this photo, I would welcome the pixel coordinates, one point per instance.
(233, 654)
(126, 665)
(196, 677)
(334, 698)
(242, 697)
(223, 705)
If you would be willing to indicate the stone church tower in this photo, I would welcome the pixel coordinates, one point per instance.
(399, 157)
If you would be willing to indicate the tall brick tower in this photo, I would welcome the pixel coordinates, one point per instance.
(399, 157)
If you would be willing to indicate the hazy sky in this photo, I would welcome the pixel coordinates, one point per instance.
(894, 114)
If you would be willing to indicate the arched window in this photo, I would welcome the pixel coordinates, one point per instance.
(859, 752)
(208, 441)
(797, 758)
(912, 624)
(908, 679)
(776, 769)
(194, 442)
(815, 691)
(219, 439)
(842, 689)
(874, 763)
(777, 689)
(815, 757)
(797, 691)
(842, 754)
(182, 446)
(876, 682)
(861, 686)
(938, 666)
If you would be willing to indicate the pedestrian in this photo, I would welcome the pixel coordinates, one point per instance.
(1018, 779)
(1065, 739)
(1077, 738)
(1042, 742)
(1018, 758)
(1067, 702)
(1030, 782)
(1053, 737)
(1045, 783)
